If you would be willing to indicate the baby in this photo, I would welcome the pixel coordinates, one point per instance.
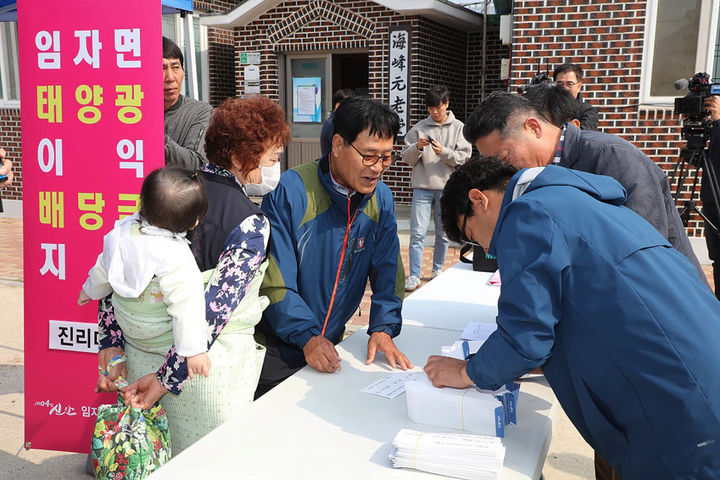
(151, 246)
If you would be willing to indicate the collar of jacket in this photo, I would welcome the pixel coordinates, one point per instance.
(177, 104)
(340, 200)
(569, 154)
(220, 175)
(507, 199)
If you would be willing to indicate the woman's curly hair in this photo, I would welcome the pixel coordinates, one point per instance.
(243, 129)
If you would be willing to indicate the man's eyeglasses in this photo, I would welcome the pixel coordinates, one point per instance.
(370, 160)
(569, 83)
(463, 235)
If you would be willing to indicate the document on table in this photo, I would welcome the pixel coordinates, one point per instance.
(392, 385)
(478, 331)
(456, 455)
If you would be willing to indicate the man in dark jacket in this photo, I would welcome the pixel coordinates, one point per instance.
(508, 126)
(569, 76)
(620, 324)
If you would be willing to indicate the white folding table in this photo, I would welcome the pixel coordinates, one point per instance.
(318, 425)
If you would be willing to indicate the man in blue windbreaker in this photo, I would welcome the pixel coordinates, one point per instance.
(333, 227)
(617, 319)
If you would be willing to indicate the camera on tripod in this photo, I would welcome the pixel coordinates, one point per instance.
(696, 121)
(540, 78)
(696, 126)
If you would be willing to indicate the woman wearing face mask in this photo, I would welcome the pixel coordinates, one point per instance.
(242, 144)
(266, 178)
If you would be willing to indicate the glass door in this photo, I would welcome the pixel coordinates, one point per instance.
(308, 104)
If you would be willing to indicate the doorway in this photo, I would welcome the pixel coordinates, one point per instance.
(310, 80)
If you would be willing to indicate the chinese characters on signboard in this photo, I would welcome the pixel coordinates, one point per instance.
(92, 129)
(399, 81)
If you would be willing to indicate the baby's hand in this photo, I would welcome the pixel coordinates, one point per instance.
(198, 364)
(83, 298)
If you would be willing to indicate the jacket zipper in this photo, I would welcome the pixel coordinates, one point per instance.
(342, 257)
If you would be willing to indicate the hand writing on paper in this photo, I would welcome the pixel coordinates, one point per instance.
(382, 341)
(144, 392)
(321, 355)
(105, 383)
(447, 372)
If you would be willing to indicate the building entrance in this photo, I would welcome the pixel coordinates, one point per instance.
(310, 81)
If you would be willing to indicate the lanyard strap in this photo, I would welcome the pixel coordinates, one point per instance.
(342, 258)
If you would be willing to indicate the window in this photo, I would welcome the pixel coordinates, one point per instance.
(9, 77)
(679, 42)
(172, 28)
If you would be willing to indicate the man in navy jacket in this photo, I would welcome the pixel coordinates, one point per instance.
(333, 228)
(618, 319)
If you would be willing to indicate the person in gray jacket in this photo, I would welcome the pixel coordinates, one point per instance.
(434, 147)
(510, 127)
(185, 119)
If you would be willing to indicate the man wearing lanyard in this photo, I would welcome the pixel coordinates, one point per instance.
(333, 228)
(510, 127)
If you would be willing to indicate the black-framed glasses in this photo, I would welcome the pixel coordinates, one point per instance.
(370, 160)
(463, 235)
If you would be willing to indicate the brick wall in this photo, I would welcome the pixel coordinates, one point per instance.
(439, 54)
(494, 53)
(10, 141)
(606, 38)
(221, 51)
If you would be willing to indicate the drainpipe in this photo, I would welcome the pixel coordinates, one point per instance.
(484, 51)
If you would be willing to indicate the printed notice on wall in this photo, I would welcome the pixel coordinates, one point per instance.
(306, 99)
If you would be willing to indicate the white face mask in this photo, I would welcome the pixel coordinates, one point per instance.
(270, 179)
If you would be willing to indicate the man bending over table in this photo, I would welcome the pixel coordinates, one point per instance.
(616, 317)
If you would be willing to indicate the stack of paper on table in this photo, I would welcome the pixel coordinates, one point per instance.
(455, 455)
(465, 409)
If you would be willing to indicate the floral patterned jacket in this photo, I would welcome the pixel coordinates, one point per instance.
(244, 251)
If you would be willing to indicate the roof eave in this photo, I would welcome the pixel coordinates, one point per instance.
(437, 10)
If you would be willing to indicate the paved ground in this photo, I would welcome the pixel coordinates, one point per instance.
(569, 457)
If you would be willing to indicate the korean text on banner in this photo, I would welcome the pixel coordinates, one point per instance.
(92, 128)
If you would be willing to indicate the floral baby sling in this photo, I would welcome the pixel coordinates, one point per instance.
(129, 443)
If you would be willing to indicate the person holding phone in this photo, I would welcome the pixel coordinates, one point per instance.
(434, 147)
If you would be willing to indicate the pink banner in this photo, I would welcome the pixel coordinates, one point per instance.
(92, 128)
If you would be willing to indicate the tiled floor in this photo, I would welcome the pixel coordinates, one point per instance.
(11, 248)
